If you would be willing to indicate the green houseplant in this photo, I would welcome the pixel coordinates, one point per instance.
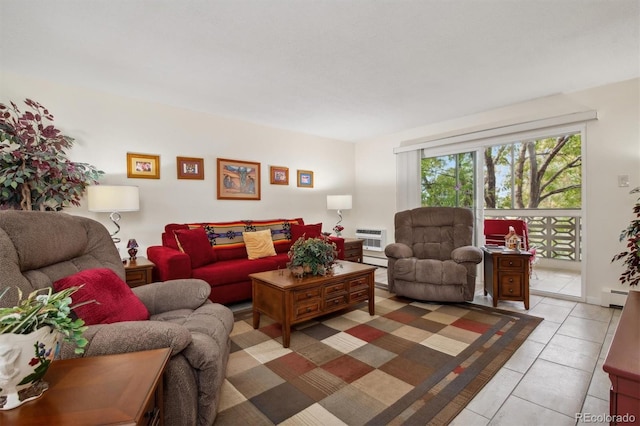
(312, 256)
(631, 256)
(35, 173)
(29, 340)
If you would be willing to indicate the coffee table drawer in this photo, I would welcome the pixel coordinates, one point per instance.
(302, 295)
(336, 302)
(306, 310)
(359, 295)
(333, 289)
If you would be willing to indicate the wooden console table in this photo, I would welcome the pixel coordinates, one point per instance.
(123, 389)
(290, 300)
(623, 364)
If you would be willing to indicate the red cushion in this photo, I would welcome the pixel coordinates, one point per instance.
(196, 244)
(116, 301)
(309, 231)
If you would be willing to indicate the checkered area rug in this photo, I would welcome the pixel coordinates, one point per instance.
(410, 363)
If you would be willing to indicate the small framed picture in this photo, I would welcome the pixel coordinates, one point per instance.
(238, 180)
(143, 166)
(279, 175)
(190, 168)
(305, 178)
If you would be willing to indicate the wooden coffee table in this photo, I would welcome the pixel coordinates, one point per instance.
(123, 389)
(290, 300)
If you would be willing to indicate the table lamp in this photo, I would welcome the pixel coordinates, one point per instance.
(114, 199)
(132, 245)
(339, 203)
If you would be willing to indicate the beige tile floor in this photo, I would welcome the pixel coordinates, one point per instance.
(557, 372)
(563, 283)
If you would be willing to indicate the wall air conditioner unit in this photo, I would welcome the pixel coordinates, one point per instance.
(374, 239)
(612, 298)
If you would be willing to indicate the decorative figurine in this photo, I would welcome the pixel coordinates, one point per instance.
(511, 240)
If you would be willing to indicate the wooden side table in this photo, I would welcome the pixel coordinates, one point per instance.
(353, 250)
(506, 276)
(138, 271)
(112, 389)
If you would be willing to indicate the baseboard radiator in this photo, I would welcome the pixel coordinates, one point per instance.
(375, 261)
(374, 239)
(613, 298)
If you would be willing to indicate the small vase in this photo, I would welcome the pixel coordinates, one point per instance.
(24, 359)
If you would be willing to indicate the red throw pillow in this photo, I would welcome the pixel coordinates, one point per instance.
(116, 301)
(195, 243)
(309, 231)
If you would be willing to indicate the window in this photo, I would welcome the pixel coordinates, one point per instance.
(448, 180)
(535, 174)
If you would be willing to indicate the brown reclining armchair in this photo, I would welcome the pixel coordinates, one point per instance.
(432, 258)
(39, 248)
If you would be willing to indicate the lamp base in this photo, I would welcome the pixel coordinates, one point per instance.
(132, 253)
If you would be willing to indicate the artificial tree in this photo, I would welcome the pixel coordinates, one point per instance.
(631, 255)
(35, 173)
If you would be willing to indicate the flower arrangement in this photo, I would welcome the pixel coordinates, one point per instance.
(45, 308)
(338, 229)
(313, 256)
(631, 255)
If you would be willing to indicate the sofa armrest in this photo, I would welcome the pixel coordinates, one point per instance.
(467, 254)
(130, 336)
(173, 294)
(398, 251)
(170, 264)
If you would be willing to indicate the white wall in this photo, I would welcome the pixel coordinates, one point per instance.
(612, 148)
(107, 127)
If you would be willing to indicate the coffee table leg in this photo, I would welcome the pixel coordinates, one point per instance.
(286, 335)
(256, 318)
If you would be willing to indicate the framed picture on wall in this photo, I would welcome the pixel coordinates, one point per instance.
(190, 168)
(279, 175)
(305, 178)
(144, 166)
(238, 180)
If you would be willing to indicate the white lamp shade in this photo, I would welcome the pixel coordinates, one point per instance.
(339, 202)
(113, 198)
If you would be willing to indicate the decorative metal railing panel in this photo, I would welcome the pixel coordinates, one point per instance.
(555, 234)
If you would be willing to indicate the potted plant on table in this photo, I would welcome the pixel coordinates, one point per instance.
(312, 256)
(29, 340)
(631, 255)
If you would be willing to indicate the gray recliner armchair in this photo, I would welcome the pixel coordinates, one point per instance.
(432, 258)
(39, 248)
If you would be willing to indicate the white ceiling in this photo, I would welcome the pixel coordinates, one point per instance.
(343, 69)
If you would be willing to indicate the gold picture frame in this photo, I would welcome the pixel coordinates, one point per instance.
(144, 166)
(238, 179)
(279, 175)
(190, 168)
(305, 179)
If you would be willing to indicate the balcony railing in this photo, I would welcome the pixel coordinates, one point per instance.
(556, 234)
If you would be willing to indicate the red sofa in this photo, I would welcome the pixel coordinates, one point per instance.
(215, 252)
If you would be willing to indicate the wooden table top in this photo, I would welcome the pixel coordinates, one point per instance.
(110, 389)
(284, 277)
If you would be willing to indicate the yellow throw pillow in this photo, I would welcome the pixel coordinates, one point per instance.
(259, 244)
